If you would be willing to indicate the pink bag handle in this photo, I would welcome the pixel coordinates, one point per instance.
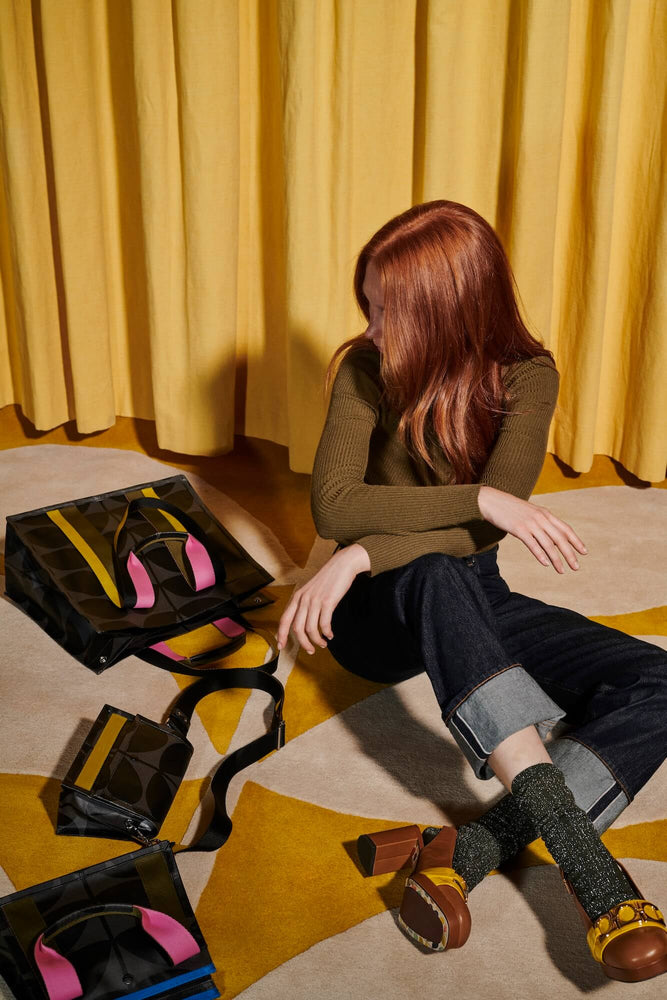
(202, 570)
(59, 975)
(132, 580)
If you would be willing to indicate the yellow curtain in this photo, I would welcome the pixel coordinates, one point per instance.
(186, 184)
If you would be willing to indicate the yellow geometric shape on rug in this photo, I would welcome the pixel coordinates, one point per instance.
(287, 879)
(30, 850)
(652, 621)
(318, 688)
(283, 882)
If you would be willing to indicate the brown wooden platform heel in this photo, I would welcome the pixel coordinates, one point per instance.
(434, 911)
(389, 850)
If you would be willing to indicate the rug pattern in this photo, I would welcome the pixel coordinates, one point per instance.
(283, 905)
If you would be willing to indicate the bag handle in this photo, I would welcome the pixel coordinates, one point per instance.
(234, 625)
(236, 634)
(59, 975)
(134, 586)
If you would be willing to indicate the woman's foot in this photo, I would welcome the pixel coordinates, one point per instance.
(626, 933)
(630, 940)
(434, 910)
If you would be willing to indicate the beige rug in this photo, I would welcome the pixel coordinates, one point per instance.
(282, 904)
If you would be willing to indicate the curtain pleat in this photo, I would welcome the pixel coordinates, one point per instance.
(348, 87)
(186, 184)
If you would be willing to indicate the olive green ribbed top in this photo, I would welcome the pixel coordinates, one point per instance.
(366, 487)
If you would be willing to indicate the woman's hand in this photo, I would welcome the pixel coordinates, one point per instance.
(309, 611)
(542, 532)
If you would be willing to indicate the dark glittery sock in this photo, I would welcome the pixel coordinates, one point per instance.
(491, 840)
(543, 797)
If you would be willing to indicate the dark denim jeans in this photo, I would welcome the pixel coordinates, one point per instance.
(499, 661)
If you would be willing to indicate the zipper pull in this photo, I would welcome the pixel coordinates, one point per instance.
(136, 834)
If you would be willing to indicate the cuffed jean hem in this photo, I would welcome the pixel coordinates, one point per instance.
(594, 787)
(505, 704)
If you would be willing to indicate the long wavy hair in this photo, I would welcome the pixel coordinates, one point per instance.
(451, 324)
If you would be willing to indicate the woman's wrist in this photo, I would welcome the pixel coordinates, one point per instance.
(485, 494)
(357, 556)
(480, 500)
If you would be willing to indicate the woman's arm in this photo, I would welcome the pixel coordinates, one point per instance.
(542, 532)
(348, 509)
(343, 505)
(504, 486)
(390, 551)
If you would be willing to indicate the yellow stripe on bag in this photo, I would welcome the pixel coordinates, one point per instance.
(93, 560)
(150, 492)
(100, 751)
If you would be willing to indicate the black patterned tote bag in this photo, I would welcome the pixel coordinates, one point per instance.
(122, 928)
(123, 572)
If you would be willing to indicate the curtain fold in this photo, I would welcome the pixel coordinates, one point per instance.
(186, 184)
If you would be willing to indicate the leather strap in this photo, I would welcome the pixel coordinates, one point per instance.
(196, 666)
(179, 720)
(162, 521)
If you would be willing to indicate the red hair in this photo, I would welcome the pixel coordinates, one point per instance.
(451, 323)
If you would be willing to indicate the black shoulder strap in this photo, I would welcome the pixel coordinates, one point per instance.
(180, 717)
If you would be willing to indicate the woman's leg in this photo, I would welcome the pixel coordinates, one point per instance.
(542, 805)
(403, 613)
(614, 688)
(433, 615)
(487, 698)
(386, 629)
(516, 753)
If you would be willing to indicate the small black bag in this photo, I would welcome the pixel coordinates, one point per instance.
(124, 779)
(119, 573)
(122, 928)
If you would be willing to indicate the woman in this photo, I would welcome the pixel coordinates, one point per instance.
(435, 436)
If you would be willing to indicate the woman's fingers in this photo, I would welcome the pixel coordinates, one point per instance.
(569, 533)
(531, 543)
(302, 616)
(565, 539)
(550, 549)
(313, 625)
(554, 543)
(299, 627)
(325, 620)
(285, 622)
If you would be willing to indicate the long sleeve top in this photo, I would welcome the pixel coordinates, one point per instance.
(367, 488)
